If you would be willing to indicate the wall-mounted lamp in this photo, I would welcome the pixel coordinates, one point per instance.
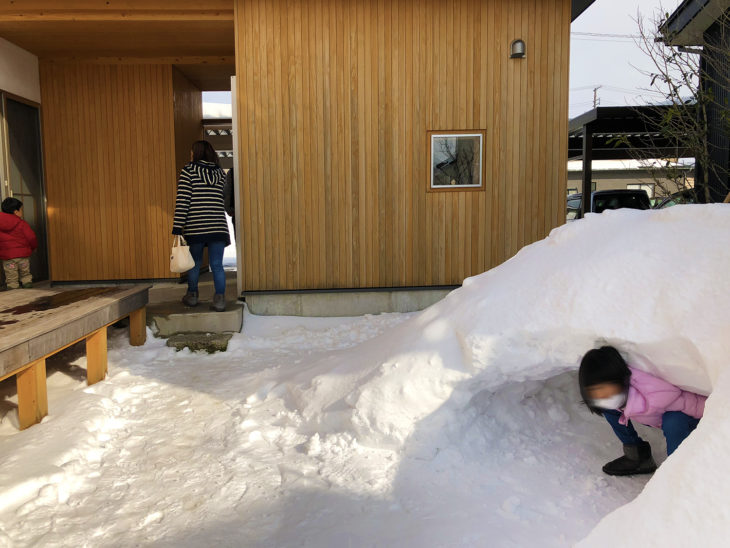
(518, 50)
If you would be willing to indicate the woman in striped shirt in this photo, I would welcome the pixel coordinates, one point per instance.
(201, 218)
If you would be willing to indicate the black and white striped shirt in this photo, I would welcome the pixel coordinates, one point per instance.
(199, 207)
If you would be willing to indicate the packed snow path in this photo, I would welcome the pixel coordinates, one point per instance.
(458, 426)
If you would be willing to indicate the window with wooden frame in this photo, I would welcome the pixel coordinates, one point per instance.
(456, 160)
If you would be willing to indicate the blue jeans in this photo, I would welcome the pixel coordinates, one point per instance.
(675, 425)
(215, 258)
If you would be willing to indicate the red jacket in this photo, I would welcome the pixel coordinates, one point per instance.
(17, 239)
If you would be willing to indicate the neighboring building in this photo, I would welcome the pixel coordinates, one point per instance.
(219, 133)
(630, 174)
(706, 23)
(380, 144)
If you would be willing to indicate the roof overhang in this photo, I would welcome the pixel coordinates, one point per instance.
(578, 7)
(623, 133)
(687, 25)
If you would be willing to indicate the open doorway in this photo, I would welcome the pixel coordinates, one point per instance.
(218, 130)
(202, 103)
(21, 170)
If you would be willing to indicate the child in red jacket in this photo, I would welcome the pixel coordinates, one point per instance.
(17, 242)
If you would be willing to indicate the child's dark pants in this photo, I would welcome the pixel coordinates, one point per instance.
(675, 425)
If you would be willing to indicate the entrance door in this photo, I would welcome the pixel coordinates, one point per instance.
(22, 171)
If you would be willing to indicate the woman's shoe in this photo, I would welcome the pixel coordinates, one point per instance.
(190, 298)
(637, 459)
(219, 302)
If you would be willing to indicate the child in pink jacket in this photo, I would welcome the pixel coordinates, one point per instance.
(620, 393)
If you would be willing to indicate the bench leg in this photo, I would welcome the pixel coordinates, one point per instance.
(32, 394)
(138, 327)
(96, 361)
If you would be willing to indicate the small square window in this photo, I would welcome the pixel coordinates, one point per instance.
(456, 160)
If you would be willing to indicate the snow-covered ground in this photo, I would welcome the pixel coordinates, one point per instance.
(457, 426)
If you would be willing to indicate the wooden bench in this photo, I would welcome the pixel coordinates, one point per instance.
(36, 324)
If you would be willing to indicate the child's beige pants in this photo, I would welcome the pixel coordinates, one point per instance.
(17, 269)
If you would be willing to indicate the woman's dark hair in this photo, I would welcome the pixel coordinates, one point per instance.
(601, 365)
(203, 150)
(11, 205)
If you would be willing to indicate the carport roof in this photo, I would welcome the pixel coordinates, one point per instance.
(623, 133)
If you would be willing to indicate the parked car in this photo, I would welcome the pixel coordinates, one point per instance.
(687, 196)
(601, 200)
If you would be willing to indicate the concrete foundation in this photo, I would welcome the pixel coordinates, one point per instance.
(342, 303)
(174, 318)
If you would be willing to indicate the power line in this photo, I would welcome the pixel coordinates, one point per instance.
(615, 89)
(608, 40)
(605, 35)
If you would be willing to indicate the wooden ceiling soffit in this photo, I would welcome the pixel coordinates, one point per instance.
(115, 10)
(210, 60)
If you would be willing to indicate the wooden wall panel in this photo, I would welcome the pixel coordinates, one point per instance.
(188, 114)
(335, 103)
(110, 169)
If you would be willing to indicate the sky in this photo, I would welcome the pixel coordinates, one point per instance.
(612, 62)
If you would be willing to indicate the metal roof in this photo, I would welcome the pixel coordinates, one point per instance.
(687, 25)
(578, 7)
(622, 133)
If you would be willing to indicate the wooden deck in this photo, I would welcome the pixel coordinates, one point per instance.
(35, 324)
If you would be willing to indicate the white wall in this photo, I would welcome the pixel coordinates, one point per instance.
(19, 72)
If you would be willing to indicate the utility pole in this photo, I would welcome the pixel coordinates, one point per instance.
(596, 100)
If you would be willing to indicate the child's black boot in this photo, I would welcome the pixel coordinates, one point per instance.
(637, 459)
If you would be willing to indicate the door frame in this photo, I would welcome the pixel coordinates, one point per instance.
(5, 162)
(237, 189)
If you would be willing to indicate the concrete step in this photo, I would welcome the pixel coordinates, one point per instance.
(165, 292)
(173, 318)
(200, 342)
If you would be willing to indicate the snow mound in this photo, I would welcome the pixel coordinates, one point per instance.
(648, 282)
(652, 283)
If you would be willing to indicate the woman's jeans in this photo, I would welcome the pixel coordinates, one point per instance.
(675, 425)
(215, 258)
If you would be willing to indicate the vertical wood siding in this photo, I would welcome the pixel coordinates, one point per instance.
(110, 169)
(335, 103)
(188, 112)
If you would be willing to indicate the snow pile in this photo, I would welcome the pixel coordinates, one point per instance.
(649, 283)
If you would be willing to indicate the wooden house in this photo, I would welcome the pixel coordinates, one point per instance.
(379, 143)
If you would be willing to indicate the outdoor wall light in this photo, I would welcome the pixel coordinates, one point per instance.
(518, 50)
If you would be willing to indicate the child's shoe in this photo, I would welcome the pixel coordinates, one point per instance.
(28, 285)
(637, 459)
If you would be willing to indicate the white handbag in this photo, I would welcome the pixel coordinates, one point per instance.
(181, 259)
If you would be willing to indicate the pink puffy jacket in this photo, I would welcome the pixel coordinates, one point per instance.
(650, 397)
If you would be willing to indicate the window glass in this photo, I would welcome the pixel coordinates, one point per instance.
(456, 160)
